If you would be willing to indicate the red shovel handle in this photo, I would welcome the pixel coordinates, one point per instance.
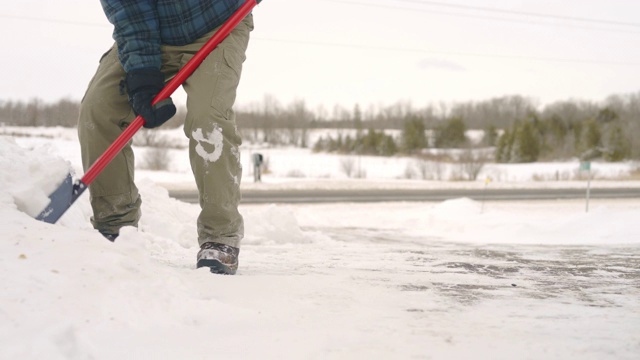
(166, 92)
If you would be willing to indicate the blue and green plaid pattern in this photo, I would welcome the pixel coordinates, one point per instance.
(142, 26)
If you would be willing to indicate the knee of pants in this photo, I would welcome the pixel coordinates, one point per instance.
(101, 113)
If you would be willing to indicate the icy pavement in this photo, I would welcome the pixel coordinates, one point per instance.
(423, 298)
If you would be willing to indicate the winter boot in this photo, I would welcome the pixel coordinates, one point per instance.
(220, 258)
(110, 237)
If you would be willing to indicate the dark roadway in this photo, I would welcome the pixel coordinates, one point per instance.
(379, 195)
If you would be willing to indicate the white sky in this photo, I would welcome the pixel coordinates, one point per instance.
(373, 52)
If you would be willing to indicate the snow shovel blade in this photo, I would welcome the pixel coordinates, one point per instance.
(61, 199)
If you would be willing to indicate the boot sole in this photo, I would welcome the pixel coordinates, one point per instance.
(216, 267)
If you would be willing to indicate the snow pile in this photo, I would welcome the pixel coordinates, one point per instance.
(532, 223)
(67, 293)
(464, 220)
(274, 224)
(29, 177)
(327, 281)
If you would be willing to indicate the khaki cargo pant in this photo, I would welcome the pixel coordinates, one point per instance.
(210, 126)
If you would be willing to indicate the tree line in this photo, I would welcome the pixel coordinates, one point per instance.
(35, 112)
(518, 128)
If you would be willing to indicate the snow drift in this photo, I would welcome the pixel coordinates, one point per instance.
(456, 280)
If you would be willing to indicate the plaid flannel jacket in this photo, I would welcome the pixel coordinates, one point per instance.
(142, 26)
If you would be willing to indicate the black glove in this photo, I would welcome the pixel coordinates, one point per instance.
(142, 86)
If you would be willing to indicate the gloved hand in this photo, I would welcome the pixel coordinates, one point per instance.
(142, 86)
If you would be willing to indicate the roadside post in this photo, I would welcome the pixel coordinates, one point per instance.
(586, 166)
(484, 193)
(257, 167)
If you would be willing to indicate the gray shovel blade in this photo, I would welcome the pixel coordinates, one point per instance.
(61, 200)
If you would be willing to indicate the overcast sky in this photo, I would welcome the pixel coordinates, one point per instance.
(363, 51)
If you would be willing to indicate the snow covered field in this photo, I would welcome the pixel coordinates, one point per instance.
(451, 280)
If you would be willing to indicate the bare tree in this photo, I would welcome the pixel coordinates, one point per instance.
(471, 163)
(155, 158)
(298, 121)
(348, 166)
(32, 113)
(270, 112)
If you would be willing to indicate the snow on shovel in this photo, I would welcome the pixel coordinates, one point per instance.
(69, 191)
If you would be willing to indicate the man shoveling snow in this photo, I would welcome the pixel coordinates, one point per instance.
(153, 41)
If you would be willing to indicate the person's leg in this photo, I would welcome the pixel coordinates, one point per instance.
(104, 113)
(214, 140)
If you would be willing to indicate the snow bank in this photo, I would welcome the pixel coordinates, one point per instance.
(328, 281)
(67, 293)
(464, 220)
(28, 177)
(544, 223)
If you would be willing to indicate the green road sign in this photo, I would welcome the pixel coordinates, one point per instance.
(585, 165)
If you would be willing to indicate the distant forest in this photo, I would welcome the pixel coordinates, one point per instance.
(518, 128)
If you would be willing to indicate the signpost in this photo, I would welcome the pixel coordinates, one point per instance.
(586, 166)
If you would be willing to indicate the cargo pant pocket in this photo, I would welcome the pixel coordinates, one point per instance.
(226, 82)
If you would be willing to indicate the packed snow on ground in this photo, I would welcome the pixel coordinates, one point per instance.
(458, 279)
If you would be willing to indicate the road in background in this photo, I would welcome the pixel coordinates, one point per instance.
(379, 195)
